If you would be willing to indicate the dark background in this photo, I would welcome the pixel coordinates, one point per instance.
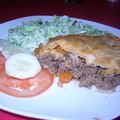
(95, 10)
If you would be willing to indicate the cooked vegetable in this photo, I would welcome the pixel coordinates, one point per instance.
(65, 77)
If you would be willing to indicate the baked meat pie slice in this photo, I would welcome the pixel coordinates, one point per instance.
(93, 60)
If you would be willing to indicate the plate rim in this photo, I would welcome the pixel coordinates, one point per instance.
(39, 16)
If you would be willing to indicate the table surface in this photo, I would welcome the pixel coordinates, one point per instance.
(95, 10)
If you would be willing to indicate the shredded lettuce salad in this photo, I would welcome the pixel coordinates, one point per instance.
(35, 32)
(8, 49)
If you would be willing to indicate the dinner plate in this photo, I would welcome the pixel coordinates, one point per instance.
(67, 102)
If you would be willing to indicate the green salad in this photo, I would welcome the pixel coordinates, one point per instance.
(35, 32)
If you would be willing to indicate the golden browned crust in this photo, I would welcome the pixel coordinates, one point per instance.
(101, 51)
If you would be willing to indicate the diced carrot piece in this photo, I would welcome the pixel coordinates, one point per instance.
(65, 77)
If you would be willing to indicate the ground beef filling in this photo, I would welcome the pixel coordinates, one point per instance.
(87, 75)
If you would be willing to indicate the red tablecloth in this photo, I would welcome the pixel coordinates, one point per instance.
(94, 10)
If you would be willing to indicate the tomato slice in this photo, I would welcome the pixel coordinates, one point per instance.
(27, 87)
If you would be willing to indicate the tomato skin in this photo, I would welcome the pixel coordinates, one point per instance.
(23, 88)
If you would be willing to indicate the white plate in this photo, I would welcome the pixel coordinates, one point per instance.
(69, 102)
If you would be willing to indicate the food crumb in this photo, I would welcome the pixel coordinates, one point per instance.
(96, 118)
(60, 84)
